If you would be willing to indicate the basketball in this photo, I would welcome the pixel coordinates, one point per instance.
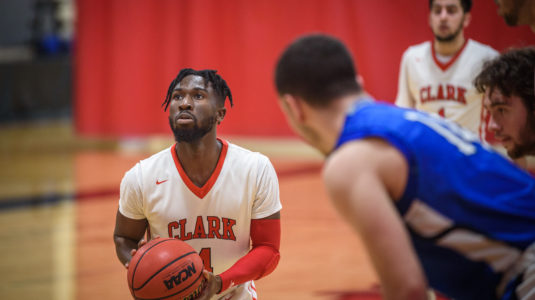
(165, 268)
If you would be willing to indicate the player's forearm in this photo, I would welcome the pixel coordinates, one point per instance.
(410, 292)
(263, 257)
(259, 262)
(123, 247)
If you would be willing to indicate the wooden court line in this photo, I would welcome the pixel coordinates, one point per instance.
(53, 198)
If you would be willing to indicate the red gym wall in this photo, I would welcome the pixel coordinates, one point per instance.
(128, 51)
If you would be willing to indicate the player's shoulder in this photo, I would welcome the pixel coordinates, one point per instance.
(355, 158)
(156, 158)
(244, 155)
(481, 49)
(418, 49)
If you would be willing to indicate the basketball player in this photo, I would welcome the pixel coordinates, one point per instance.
(437, 76)
(510, 98)
(517, 12)
(433, 206)
(216, 196)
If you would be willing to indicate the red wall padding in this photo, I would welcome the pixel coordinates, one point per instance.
(128, 51)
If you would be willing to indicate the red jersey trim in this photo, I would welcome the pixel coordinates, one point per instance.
(201, 191)
(445, 66)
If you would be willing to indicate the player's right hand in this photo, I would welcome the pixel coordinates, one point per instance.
(139, 245)
(212, 286)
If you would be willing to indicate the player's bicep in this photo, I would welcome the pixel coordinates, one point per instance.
(131, 196)
(267, 198)
(403, 96)
(127, 228)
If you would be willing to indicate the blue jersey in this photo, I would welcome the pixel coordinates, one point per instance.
(470, 212)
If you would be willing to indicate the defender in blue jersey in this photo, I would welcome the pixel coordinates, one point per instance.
(433, 206)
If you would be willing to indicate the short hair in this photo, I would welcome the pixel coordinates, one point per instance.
(317, 68)
(218, 84)
(466, 4)
(512, 73)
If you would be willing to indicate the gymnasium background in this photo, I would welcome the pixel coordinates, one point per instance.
(81, 84)
(128, 51)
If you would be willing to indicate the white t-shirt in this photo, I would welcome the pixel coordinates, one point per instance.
(447, 89)
(214, 219)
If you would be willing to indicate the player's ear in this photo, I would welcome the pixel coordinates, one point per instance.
(292, 106)
(467, 19)
(360, 80)
(220, 115)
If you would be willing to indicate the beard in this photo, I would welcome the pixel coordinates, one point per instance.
(527, 137)
(190, 135)
(452, 36)
(510, 19)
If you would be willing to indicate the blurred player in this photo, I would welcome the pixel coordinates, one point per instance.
(433, 206)
(510, 98)
(437, 76)
(216, 196)
(517, 12)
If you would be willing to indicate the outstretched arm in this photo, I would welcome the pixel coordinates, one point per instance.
(363, 178)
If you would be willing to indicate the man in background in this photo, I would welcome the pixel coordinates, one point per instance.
(436, 76)
(510, 99)
(517, 12)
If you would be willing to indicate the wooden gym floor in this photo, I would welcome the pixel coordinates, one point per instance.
(58, 198)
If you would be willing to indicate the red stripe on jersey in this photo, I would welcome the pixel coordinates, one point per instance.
(445, 66)
(201, 191)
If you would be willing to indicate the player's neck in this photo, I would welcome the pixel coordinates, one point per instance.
(449, 48)
(199, 158)
(332, 122)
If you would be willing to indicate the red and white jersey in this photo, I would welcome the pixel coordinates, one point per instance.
(214, 219)
(447, 89)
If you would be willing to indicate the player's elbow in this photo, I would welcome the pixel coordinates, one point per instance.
(414, 290)
(272, 260)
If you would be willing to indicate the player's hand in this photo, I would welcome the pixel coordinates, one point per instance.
(211, 286)
(139, 245)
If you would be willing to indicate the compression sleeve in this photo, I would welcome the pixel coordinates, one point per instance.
(261, 259)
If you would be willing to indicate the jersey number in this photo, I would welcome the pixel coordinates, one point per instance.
(453, 133)
(206, 255)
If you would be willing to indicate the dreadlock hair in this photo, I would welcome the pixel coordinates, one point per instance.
(218, 84)
(511, 73)
(466, 4)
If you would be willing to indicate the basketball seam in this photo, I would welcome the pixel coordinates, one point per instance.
(197, 279)
(139, 260)
(162, 268)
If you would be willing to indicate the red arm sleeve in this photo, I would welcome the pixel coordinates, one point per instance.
(263, 257)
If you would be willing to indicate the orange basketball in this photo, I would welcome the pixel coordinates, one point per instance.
(165, 268)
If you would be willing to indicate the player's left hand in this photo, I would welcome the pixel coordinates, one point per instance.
(212, 285)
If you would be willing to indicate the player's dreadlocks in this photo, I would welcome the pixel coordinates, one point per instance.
(218, 84)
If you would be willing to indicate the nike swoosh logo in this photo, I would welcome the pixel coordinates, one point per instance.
(160, 182)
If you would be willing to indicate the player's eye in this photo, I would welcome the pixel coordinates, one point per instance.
(452, 10)
(178, 96)
(198, 96)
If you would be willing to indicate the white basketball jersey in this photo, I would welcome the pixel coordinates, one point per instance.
(447, 89)
(214, 219)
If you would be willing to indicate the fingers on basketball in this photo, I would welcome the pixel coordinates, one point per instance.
(165, 268)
